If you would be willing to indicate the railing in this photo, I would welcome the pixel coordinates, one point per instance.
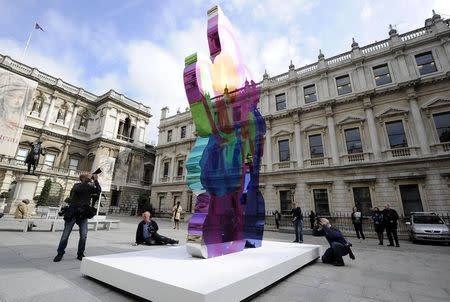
(279, 78)
(285, 165)
(400, 152)
(413, 34)
(178, 178)
(375, 47)
(344, 223)
(316, 162)
(306, 69)
(339, 58)
(20, 165)
(164, 179)
(125, 138)
(446, 147)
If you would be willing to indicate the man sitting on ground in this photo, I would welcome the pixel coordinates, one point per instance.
(22, 211)
(146, 232)
(339, 246)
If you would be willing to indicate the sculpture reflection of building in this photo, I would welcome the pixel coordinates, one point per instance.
(32, 158)
(13, 94)
(147, 232)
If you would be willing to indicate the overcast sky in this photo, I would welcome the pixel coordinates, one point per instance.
(137, 47)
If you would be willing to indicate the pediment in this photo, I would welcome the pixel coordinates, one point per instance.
(282, 133)
(390, 111)
(180, 155)
(76, 154)
(438, 101)
(314, 127)
(351, 119)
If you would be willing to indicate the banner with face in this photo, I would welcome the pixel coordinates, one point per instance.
(16, 93)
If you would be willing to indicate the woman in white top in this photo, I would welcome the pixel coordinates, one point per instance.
(176, 214)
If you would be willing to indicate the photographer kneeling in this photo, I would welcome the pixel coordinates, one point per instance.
(146, 232)
(339, 246)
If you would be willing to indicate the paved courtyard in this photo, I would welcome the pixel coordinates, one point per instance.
(379, 273)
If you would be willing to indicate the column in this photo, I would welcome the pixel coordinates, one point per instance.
(266, 103)
(372, 129)
(332, 133)
(418, 124)
(116, 125)
(174, 168)
(156, 169)
(292, 102)
(72, 120)
(171, 169)
(298, 142)
(50, 111)
(403, 67)
(268, 143)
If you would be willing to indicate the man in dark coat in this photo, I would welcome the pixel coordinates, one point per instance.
(146, 232)
(339, 246)
(390, 217)
(33, 156)
(79, 211)
(297, 220)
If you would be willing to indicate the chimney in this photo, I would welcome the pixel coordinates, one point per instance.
(164, 112)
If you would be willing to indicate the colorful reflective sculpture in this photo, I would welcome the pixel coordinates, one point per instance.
(223, 166)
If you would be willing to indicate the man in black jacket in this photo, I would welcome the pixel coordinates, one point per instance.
(390, 217)
(146, 232)
(297, 220)
(78, 212)
(339, 246)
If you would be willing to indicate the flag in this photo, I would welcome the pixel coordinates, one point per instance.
(37, 26)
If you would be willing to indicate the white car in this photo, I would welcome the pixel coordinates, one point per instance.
(427, 226)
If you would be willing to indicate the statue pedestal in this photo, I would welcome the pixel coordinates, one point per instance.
(25, 189)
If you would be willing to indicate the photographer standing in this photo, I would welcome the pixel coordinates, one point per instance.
(146, 232)
(339, 246)
(78, 211)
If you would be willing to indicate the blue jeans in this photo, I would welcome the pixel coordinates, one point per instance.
(298, 228)
(68, 226)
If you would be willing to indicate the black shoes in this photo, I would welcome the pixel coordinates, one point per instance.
(58, 258)
(80, 257)
(338, 263)
(390, 244)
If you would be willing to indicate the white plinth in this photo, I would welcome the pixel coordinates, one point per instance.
(171, 274)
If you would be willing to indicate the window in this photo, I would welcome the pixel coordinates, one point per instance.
(180, 168)
(237, 114)
(73, 164)
(382, 75)
(49, 159)
(353, 141)
(310, 94)
(280, 100)
(315, 146)
(183, 132)
(396, 134)
(166, 169)
(361, 196)
(321, 202)
(283, 150)
(343, 84)
(115, 197)
(411, 199)
(425, 63)
(285, 201)
(169, 135)
(442, 123)
(22, 154)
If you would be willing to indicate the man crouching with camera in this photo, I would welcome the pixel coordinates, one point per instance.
(78, 211)
(146, 232)
(339, 246)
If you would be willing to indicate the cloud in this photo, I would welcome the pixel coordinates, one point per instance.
(100, 85)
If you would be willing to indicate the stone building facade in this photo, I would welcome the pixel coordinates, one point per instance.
(370, 126)
(80, 131)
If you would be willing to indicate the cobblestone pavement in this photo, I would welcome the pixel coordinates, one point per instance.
(419, 272)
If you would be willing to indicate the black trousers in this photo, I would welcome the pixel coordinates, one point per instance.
(334, 253)
(359, 230)
(391, 231)
(157, 239)
(277, 223)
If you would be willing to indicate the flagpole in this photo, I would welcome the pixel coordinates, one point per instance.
(28, 43)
